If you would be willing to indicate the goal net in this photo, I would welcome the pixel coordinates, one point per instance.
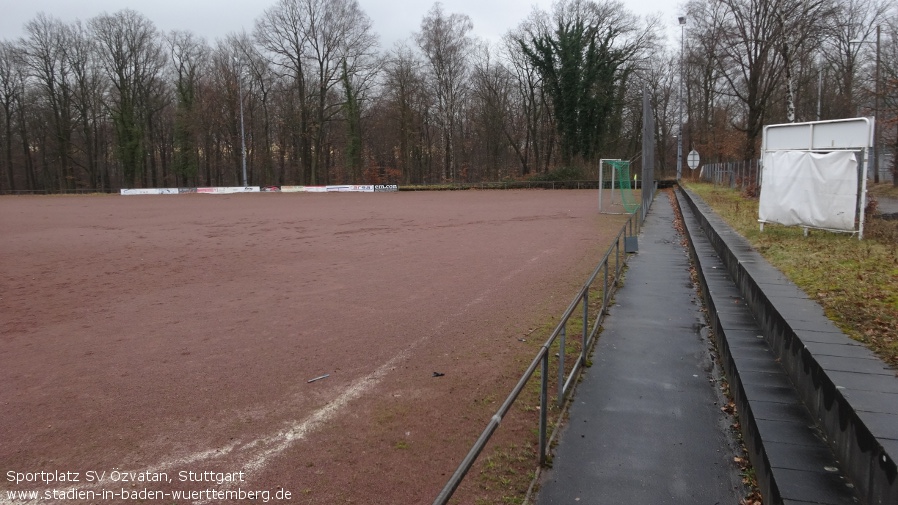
(616, 188)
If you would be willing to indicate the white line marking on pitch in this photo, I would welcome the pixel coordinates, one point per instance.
(282, 440)
(263, 449)
(271, 446)
(276, 444)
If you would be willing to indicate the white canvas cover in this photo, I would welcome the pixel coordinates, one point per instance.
(815, 190)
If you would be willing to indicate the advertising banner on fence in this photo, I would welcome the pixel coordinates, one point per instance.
(150, 191)
(229, 190)
(341, 188)
(350, 188)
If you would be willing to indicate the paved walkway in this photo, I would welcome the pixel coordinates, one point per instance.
(646, 425)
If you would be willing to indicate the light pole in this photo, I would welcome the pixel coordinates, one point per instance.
(242, 132)
(877, 93)
(876, 128)
(819, 89)
(680, 103)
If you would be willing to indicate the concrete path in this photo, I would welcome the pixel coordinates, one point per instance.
(646, 425)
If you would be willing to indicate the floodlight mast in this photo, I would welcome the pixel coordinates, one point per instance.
(242, 131)
(877, 94)
(682, 20)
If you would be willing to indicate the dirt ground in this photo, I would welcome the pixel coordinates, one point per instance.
(145, 336)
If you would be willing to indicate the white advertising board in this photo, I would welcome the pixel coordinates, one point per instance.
(229, 190)
(818, 190)
(811, 175)
(854, 133)
(150, 191)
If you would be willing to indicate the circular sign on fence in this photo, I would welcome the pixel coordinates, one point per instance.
(693, 159)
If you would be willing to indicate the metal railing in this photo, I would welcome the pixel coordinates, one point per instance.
(450, 186)
(599, 287)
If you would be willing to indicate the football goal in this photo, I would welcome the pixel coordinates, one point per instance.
(616, 187)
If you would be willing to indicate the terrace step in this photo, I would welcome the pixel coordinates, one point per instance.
(820, 411)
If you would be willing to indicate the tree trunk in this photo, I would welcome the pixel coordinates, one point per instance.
(9, 170)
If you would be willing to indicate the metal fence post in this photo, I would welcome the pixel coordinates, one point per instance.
(543, 408)
(616, 254)
(585, 325)
(562, 342)
(605, 289)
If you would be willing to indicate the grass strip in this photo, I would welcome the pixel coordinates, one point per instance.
(856, 282)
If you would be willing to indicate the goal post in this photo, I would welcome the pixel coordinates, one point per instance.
(617, 197)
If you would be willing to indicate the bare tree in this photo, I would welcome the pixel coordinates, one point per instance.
(341, 47)
(46, 45)
(707, 98)
(88, 87)
(799, 27)
(889, 90)
(132, 59)
(445, 42)
(853, 26)
(531, 110)
(492, 94)
(262, 86)
(15, 90)
(281, 32)
(310, 40)
(405, 102)
(189, 55)
(11, 90)
(752, 63)
(661, 78)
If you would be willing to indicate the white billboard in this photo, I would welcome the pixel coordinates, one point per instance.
(811, 175)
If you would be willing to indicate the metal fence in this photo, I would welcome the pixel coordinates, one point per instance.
(81, 191)
(733, 174)
(747, 174)
(572, 339)
(573, 184)
(579, 184)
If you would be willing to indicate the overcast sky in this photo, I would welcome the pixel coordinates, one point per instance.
(392, 20)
